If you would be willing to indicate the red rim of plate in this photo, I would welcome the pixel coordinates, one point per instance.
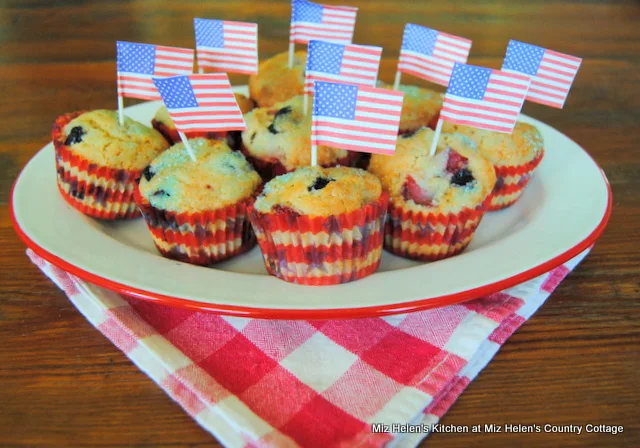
(331, 313)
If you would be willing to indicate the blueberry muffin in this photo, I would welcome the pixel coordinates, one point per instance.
(321, 226)
(277, 140)
(98, 161)
(514, 156)
(275, 82)
(436, 203)
(197, 211)
(420, 107)
(163, 123)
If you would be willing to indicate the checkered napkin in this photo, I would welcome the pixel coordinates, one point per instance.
(253, 382)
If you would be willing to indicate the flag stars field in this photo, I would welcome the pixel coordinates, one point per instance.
(471, 82)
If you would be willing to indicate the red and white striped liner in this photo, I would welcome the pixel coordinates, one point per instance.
(253, 382)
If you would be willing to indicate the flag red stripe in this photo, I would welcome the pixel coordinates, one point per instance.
(553, 78)
(425, 63)
(542, 92)
(565, 56)
(176, 50)
(484, 126)
(454, 44)
(364, 50)
(476, 106)
(369, 138)
(507, 84)
(202, 114)
(348, 127)
(489, 116)
(319, 141)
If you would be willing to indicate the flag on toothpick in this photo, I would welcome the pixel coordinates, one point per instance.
(551, 73)
(351, 64)
(484, 98)
(226, 46)
(138, 64)
(314, 21)
(430, 54)
(356, 118)
(201, 103)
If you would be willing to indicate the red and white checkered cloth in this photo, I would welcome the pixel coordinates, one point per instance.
(253, 382)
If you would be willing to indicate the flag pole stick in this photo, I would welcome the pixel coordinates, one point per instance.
(305, 103)
(187, 145)
(292, 49)
(396, 83)
(314, 153)
(120, 110)
(436, 137)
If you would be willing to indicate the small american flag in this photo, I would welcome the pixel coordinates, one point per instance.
(313, 21)
(356, 118)
(484, 98)
(551, 73)
(227, 46)
(351, 64)
(201, 103)
(138, 64)
(430, 54)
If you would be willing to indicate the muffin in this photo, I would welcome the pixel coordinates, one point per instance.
(277, 140)
(163, 123)
(98, 161)
(420, 107)
(197, 211)
(275, 82)
(514, 156)
(321, 226)
(436, 203)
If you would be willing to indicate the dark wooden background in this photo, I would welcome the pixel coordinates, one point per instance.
(576, 362)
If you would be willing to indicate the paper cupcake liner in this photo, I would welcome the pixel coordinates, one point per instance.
(270, 168)
(202, 238)
(321, 250)
(510, 183)
(429, 236)
(98, 191)
(172, 136)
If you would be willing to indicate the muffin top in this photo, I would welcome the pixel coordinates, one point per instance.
(275, 82)
(219, 177)
(318, 191)
(419, 107)
(162, 115)
(454, 178)
(282, 133)
(98, 137)
(522, 146)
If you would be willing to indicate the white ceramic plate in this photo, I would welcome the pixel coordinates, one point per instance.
(563, 210)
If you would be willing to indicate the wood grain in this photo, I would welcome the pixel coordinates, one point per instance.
(575, 362)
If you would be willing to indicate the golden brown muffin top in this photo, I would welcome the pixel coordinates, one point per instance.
(419, 107)
(275, 82)
(98, 137)
(317, 191)
(454, 178)
(522, 146)
(219, 177)
(283, 133)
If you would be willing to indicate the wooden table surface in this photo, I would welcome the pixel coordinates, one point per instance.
(575, 362)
